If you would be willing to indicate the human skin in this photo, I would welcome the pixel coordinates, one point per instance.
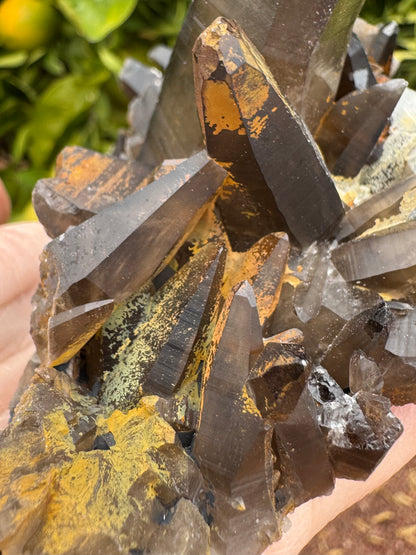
(5, 204)
(20, 246)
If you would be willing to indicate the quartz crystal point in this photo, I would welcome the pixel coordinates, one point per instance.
(160, 54)
(142, 84)
(229, 460)
(353, 125)
(252, 131)
(377, 253)
(270, 256)
(65, 328)
(84, 184)
(224, 390)
(379, 42)
(380, 258)
(278, 378)
(136, 78)
(164, 375)
(156, 356)
(366, 32)
(309, 293)
(329, 300)
(305, 54)
(327, 60)
(354, 454)
(357, 73)
(374, 335)
(365, 375)
(381, 48)
(380, 205)
(114, 253)
(278, 382)
(359, 333)
(306, 471)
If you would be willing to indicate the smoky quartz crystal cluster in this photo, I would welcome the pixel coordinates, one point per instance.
(224, 320)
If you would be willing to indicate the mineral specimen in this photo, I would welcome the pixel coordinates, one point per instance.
(85, 182)
(357, 73)
(305, 56)
(230, 78)
(100, 260)
(221, 336)
(352, 126)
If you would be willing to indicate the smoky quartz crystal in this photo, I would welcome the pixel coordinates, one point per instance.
(223, 322)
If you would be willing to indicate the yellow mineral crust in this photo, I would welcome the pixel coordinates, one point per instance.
(122, 386)
(83, 498)
(248, 404)
(406, 213)
(221, 110)
(253, 93)
(78, 168)
(248, 75)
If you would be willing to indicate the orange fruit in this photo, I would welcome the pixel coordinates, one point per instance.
(26, 24)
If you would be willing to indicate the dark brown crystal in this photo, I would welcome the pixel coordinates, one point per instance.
(251, 130)
(305, 56)
(97, 261)
(352, 126)
(85, 182)
(242, 479)
(354, 454)
(357, 73)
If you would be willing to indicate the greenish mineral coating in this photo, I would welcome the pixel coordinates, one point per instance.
(122, 386)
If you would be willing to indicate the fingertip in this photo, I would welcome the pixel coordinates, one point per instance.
(5, 204)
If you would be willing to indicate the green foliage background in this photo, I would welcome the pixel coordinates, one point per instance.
(67, 93)
(404, 13)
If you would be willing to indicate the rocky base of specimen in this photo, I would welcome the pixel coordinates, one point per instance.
(220, 336)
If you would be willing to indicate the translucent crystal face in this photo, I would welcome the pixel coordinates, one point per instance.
(219, 337)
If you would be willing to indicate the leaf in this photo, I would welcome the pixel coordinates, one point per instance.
(53, 64)
(56, 108)
(14, 59)
(10, 115)
(109, 60)
(20, 142)
(167, 27)
(22, 85)
(36, 55)
(95, 19)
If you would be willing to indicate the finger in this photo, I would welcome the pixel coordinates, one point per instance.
(20, 246)
(5, 204)
(308, 519)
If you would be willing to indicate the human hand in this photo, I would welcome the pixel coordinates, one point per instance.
(20, 246)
